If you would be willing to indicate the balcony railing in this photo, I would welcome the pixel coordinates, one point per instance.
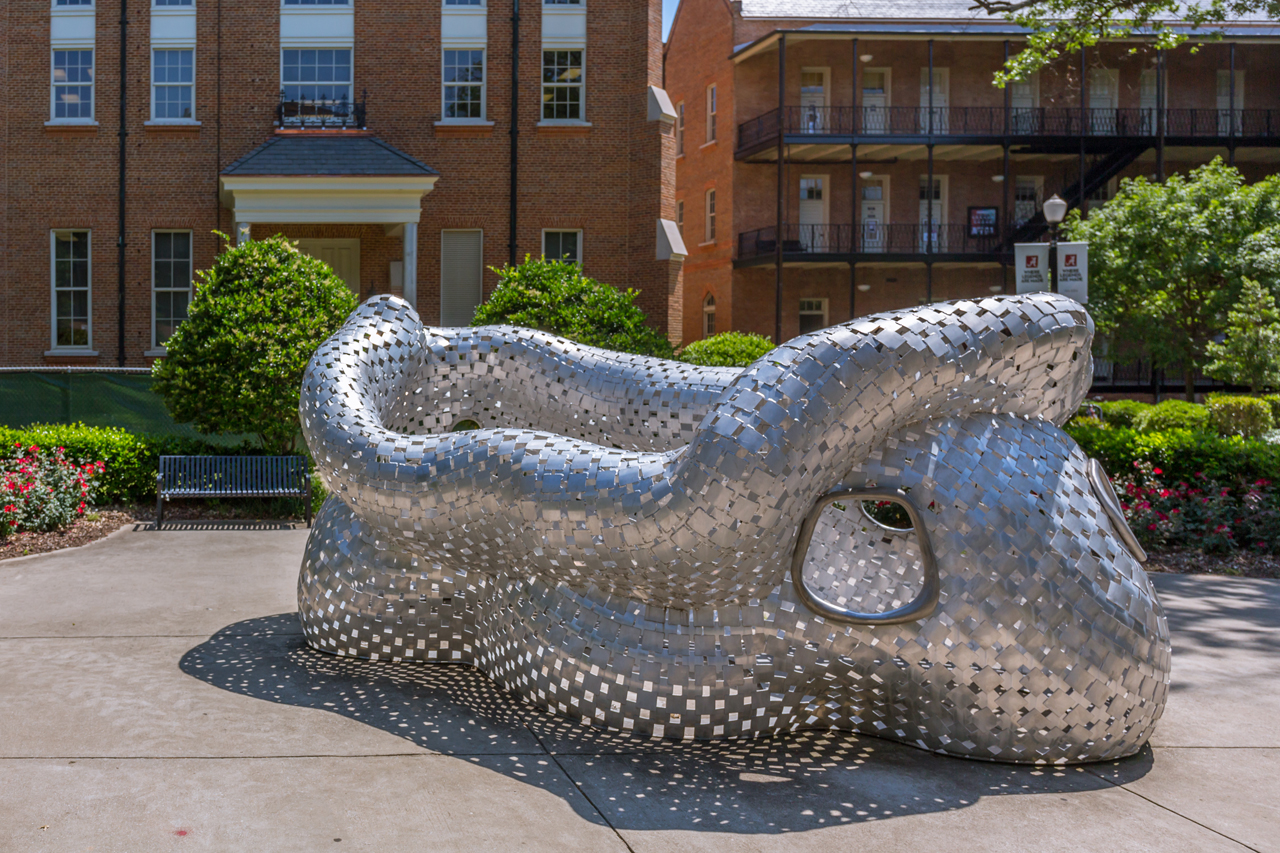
(321, 114)
(997, 121)
(872, 238)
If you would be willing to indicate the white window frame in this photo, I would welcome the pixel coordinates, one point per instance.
(464, 4)
(158, 349)
(803, 312)
(578, 231)
(581, 85)
(54, 348)
(152, 73)
(180, 4)
(280, 70)
(484, 85)
(708, 314)
(93, 88)
(712, 105)
(315, 3)
(63, 4)
(680, 129)
(709, 216)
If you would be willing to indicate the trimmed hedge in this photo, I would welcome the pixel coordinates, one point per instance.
(1172, 414)
(1121, 413)
(1182, 455)
(727, 349)
(1239, 415)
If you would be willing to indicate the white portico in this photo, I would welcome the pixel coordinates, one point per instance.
(341, 178)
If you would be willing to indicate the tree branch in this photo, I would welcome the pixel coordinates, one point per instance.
(1003, 7)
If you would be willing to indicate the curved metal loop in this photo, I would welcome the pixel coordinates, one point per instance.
(1106, 494)
(921, 607)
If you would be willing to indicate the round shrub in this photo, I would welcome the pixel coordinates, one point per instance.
(1172, 414)
(727, 349)
(1273, 400)
(1247, 416)
(556, 297)
(1121, 413)
(235, 364)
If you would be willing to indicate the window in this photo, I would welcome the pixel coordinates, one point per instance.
(172, 84)
(72, 84)
(71, 280)
(813, 315)
(680, 129)
(463, 84)
(173, 2)
(711, 217)
(170, 282)
(322, 76)
(315, 2)
(1026, 199)
(709, 316)
(680, 216)
(463, 3)
(711, 113)
(73, 3)
(562, 84)
(562, 246)
(561, 2)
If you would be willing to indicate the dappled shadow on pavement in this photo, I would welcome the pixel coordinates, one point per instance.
(786, 783)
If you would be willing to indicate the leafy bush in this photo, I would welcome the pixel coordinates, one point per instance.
(556, 297)
(1273, 400)
(40, 489)
(1172, 414)
(1121, 413)
(235, 364)
(727, 349)
(1181, 454)
(1247, 416)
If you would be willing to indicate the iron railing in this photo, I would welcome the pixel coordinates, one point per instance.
(997, 121)
(872, 238)
(321, 114)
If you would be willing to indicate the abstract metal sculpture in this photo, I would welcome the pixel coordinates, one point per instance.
(686, 552)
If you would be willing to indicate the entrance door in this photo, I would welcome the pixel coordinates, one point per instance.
(1148, 101)
(461, 276)
(1104, 100)
(941, 99)
(875, 201)
(1224, 101)
(343, 254)
(813, 101)
(1027, 192)
(875, 100)
(936, 236)
(813, 213)
(1024, 99)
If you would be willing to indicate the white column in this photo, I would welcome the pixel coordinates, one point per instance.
(411, 263)
(242, 232)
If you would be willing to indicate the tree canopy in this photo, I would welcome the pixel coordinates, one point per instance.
(1061, 27)
(236, 363)
(1167, 261)
(1250, 355)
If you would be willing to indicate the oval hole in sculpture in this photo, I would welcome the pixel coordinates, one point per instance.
(464, 425)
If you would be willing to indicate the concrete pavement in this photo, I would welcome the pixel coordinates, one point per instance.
(156, 694)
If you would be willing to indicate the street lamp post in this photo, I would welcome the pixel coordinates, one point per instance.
(1055, 210)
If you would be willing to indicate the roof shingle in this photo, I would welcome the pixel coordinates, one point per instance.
(327, 155)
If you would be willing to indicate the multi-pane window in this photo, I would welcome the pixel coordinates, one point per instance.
(709, 316)
(561, 2)
(74, 3)
(562, 246)
(680, 216)
(562, 84)
(316, 2)
(170, 282)
(711, 216)
(463, 2)
(172, 84)
(73, 84)
(463, 84)
(679, 128)
(711, 113)
(71, 289)
(322, 75)
(813, 315)
(173, 2)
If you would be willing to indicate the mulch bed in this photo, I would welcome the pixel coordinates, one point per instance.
(82, 532)
(1240, 564)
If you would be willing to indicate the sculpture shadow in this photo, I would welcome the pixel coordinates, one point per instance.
(784, 783)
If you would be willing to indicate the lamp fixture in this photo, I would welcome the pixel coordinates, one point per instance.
(866, 57)
(999, 179)
(865, 175)
(864, 287)
(1055, 210)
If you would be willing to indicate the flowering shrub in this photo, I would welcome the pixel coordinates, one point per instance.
(1213, 516)
(41, 490)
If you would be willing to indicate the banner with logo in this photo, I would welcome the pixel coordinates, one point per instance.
(1031, 267)
(1073, 271)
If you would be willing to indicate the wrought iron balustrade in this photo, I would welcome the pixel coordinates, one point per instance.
(321, 113)
(871, 238)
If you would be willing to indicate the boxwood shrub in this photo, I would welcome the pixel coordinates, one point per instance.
(727, 349)
(1121, 413)
(1239, 415)
(1183, 455)
(1171, 414)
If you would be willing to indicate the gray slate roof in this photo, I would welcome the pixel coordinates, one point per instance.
(327, 155)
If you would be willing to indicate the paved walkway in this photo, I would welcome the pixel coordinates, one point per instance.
(156, 694)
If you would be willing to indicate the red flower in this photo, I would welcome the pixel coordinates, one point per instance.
(1151, 526)
(1156, 471)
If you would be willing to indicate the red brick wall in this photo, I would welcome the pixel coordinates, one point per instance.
(614, 180)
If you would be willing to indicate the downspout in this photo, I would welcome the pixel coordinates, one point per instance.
(515, 130)
(777, 243)
(217, 145)
(853, 187)
(120, 241)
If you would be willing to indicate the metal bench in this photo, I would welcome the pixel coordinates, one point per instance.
(232, 477)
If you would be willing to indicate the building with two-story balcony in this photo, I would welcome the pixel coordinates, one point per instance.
(412, 145)
(837, 159)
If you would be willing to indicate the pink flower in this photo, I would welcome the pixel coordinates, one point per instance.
(1156, 471)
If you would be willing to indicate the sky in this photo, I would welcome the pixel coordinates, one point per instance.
(668, 12)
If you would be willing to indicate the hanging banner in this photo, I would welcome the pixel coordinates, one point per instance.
(1073, 271)
(1031, 267)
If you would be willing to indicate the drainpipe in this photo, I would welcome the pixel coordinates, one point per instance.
(777, 247)
(515, 130)
(1231, 112)
(120, 242)
(854, 202)
(928, 195)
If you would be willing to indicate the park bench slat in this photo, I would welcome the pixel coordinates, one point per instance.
(232, 476)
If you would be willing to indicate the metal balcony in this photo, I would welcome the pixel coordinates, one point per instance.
(321, 114)
(875, 241)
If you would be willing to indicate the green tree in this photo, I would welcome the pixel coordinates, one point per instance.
(1250, 355)
(1061, 27)
(235, 364)
(1166, 261)
(556, 297)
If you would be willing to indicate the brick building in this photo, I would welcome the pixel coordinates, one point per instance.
(378, 134)
(834, 164)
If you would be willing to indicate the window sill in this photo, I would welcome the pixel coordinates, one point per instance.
(564, 128)
(71, 353)
(707, 144)
(171, 122)
(159, 352)
(708, 243)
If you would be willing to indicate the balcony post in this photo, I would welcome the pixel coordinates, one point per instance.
(853, 188)
(1008, 104)
(1161, 112)
(928, 193)
(1231, 111)
(1083, 116)
(777, 248)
